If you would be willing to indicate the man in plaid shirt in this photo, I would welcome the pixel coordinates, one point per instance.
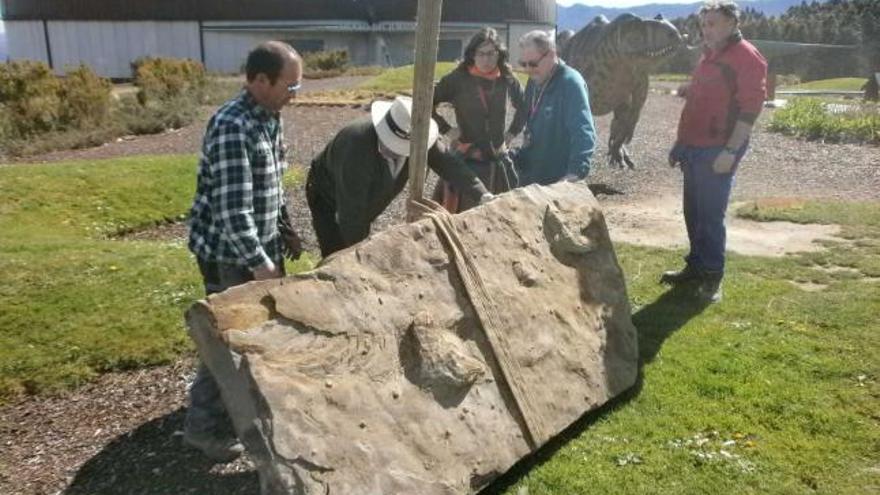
(239, 227)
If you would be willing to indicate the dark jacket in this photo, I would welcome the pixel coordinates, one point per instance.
(354, 178)
(479, 125)
(560, 134)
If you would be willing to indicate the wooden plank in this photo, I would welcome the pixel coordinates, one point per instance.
(427, 39)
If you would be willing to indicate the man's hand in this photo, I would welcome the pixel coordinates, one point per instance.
(723, 163)
(266, 271)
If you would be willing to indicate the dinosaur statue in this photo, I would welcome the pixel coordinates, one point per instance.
(615, 59)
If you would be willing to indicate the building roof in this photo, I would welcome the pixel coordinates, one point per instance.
(489, 11)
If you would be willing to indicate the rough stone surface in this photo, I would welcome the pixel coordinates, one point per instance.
(374, 373)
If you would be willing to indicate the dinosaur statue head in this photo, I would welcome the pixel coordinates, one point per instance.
(562, 38)
(644, 39)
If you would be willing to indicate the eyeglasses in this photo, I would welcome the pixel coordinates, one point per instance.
(533, 63)
(487, 53)
(294, 88)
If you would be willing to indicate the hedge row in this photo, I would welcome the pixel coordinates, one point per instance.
(40, 111)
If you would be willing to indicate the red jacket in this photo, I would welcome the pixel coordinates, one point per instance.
(727, 85)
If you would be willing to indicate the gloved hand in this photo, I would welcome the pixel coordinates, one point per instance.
(486, 197)
(291, 243)
(676, 155)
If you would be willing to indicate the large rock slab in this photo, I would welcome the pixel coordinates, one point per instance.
(431, 357)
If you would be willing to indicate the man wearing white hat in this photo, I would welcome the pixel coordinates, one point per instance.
(365, 166)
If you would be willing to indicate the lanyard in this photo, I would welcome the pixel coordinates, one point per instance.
(536, 101)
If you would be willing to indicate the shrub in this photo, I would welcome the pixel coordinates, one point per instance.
(29, 91)
(787, 80)
(173, 113)
(325, 64)
(162, 79)
(8, 129)
(221, 89)
(85, 99)
(810, 118)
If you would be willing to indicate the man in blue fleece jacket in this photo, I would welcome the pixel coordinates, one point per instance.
(560, 137)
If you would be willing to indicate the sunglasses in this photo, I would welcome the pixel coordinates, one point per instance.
(533, 63)
(487, 53)
(294, 88)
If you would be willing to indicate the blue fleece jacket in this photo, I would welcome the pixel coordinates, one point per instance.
(560, 134)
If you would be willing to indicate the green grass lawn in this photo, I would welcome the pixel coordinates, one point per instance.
(813, 118)
(774, 390)
(671, 77)
(76, 301)
(400, 79)
(837, 84)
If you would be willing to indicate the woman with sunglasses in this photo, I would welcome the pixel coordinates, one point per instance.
(479, 90)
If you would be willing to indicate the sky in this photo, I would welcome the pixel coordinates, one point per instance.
(617, 3)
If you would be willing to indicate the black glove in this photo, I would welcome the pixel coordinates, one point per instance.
(291, 244)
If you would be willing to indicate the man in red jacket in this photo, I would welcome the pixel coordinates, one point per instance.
(723, 99)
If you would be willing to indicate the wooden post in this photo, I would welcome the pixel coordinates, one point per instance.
(427, 39)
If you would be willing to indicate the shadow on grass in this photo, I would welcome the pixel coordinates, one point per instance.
(654, 323)
(153, 460)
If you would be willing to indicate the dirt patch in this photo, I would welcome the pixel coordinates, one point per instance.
(660, 223)
(119, 434)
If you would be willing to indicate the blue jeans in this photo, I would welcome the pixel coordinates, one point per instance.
(705, 199)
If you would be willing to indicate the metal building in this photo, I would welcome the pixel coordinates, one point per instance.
(109, 34)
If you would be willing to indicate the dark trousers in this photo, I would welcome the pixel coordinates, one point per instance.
(705, 199)
(206, 413)
(324, 220)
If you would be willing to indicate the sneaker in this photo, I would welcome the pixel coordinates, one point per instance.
(709, 290)
(217, 448)
(686, 274)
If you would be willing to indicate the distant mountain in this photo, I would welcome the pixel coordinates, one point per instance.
(577, 16)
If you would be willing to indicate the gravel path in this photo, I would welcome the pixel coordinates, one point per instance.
(120, 433)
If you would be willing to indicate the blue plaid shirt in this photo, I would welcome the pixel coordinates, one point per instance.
(239, 199)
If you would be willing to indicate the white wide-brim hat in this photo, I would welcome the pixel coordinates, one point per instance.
(393, 119)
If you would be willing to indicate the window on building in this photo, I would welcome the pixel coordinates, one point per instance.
(307, 45)
(449, 50)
